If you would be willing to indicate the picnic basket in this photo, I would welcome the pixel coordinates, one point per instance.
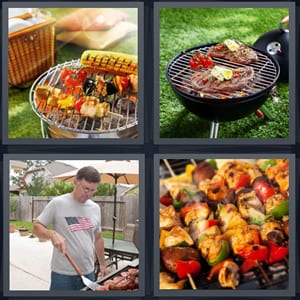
(31, 50)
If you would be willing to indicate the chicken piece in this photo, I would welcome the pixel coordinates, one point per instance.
(208, 183)
(103, 110)
(247, 235)
(89, 107)
(272, 232)
(199, 227)
(198, 213)
(171, 255)
(101, 87)
(279, 173)
(210, 247)
(168, 218)
(232, 170)
(229, 275)
(177, 189)
(247, 200)
(230, 218)
(167, 282)
(273, 201)
(178, 236)
(48, 93)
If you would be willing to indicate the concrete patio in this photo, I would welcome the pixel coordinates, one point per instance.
(29, 267)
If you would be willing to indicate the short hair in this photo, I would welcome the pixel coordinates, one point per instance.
(90, 174)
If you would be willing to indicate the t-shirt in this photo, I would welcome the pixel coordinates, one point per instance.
(77, 223)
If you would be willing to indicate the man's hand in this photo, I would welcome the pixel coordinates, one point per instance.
(103, 272)
(58, 242)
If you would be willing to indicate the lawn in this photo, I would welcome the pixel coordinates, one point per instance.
(22, 121)
(183, 28)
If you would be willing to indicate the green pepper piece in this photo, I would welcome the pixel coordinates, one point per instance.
(223, 254)
(266, 163)
(189, 192)
(213, 163)
(177, 204)
(280, 210)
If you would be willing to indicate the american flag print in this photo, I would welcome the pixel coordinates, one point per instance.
(79, 223)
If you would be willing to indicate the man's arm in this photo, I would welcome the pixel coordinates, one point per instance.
(57, 240)
(99, 247)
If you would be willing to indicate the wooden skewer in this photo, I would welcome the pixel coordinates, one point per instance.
(169, 167)
(191, 280)
(265, 275)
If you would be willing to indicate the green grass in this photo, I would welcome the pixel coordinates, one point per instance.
(107, 234)
(184, 28)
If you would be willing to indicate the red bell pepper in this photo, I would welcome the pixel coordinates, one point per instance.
(277, 253)
(78, 103)
(243, 181)
(255, 252)
(263, 191)
(166, 201)
(247, 265)
(184, 268)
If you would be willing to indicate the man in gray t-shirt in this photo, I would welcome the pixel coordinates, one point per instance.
(77, 230)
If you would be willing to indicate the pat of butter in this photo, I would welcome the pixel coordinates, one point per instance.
(231, 44)
(221, 73)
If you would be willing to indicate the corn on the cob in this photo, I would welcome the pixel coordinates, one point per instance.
(112, 62)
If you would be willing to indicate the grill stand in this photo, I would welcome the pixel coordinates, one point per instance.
(214, 128)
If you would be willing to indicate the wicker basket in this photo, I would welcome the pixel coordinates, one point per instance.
(31, 51)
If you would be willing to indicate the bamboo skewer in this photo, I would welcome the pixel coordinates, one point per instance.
(191, 280)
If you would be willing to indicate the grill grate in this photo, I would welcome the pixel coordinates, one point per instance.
(274, 276)
(179, 72)
(124, 114)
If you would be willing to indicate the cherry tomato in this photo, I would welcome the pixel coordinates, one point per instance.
(195, 61)
(194, 64)
(207, 62)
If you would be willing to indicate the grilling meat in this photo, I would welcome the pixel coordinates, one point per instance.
(171, 255)
(237, 53)
(205, 82)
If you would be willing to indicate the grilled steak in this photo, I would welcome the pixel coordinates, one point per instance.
(205, 82)
(242, 55)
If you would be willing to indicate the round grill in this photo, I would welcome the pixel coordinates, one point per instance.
(266, 72)
(123, 114)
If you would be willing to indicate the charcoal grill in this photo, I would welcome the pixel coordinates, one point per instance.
(132, 264)
(222, 107)
(57, 123)
(274, 276)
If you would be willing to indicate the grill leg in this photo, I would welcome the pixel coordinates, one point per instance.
(214, 129)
